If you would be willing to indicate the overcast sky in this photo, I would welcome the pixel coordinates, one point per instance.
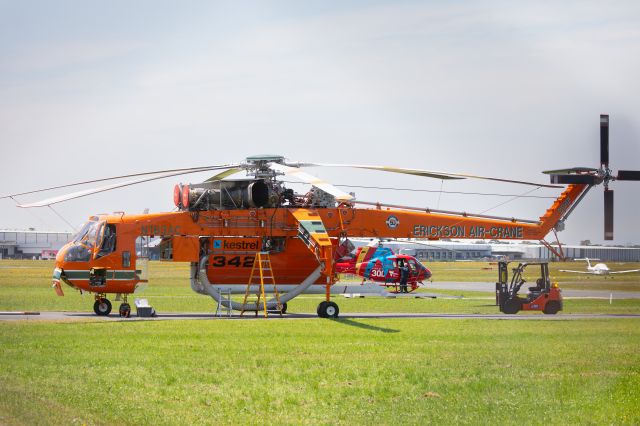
(93, 89)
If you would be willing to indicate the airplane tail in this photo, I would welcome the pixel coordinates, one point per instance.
(588, 261)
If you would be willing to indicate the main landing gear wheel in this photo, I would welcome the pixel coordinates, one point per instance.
(552, 307)
(328, 310)
(125, 310)
(320, 309)
(102, 307)
(512, 306)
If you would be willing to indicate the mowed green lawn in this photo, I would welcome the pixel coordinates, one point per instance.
(311, 371)
(320, 371)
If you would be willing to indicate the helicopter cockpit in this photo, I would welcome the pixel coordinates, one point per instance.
(415, 267)
(93, 234)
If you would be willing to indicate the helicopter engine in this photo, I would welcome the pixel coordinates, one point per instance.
(225, 195)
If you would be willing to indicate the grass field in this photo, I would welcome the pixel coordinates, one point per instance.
(312, 371)
(394, 371)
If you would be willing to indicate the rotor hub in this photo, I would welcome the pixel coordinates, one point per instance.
(606, 175)
(258, 165)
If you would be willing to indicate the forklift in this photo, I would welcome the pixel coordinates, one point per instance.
(545, 296)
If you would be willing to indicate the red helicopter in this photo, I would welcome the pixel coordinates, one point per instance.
(382, 265)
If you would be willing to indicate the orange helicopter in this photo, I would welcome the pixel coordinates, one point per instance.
(220, 225)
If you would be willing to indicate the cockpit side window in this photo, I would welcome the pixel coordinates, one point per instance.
(107, 241)
(413, 267)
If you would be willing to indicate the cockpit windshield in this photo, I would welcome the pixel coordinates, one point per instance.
(80, 249)
(88, 234)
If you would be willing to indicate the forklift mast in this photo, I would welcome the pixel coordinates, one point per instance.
(503, 272)
(503, 282)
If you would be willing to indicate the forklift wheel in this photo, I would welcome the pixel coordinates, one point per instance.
(512, 306)
(552, 307)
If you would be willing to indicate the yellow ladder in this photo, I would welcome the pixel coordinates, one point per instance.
(261, 263)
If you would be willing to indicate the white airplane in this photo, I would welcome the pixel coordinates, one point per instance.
(598, 269)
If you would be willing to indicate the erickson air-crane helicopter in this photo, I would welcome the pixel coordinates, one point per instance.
(221, 224)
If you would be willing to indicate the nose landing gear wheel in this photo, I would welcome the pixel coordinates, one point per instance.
(328, 310)
(125, 310)
(102, 307)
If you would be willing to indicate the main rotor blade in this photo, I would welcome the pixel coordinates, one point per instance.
(224, 174)
(317, 182)
(181, 171)
(604, 140)
(570, 171)
(423, 173)
(608, 214)
(628, 175)
(84, 193)
(428, 173)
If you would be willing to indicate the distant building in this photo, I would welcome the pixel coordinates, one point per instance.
(31, 244)
(443, 251)
(604, 253)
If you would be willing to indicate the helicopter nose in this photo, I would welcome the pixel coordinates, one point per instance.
(427, 273)
(60, 255)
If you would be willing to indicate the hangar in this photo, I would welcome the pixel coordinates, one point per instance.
(604, 253)
(31, 244)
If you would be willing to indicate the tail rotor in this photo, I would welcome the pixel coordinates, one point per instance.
(592, 177)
